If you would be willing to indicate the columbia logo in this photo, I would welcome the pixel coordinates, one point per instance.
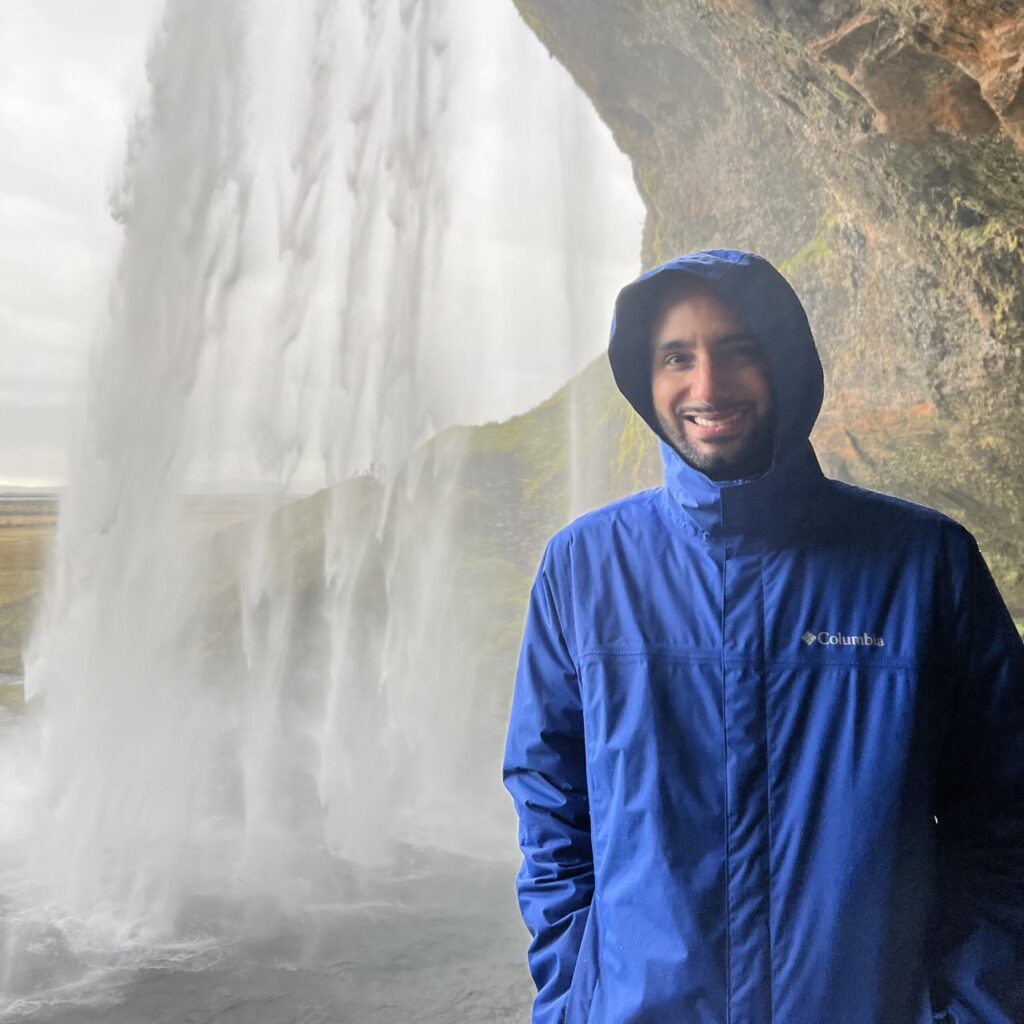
(827, 639)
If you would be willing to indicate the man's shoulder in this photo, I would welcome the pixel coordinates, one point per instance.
(634, 510)
(852, 506)
(632, 506)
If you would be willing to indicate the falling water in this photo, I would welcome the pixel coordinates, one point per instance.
(280, 722)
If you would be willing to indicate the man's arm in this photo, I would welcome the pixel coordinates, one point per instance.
(545, 771)
(978, 965)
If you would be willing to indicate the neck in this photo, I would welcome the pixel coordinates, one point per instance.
(746, 508)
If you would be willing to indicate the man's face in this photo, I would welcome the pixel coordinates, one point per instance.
(710, 388)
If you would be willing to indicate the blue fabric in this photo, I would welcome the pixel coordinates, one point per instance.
(739, 709)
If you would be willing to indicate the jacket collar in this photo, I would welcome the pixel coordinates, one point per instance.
(763, 506)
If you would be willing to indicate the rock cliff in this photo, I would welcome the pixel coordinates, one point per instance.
(875, 152)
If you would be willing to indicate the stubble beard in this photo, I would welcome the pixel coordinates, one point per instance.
(751, 458)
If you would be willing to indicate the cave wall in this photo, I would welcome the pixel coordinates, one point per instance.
(875, 153)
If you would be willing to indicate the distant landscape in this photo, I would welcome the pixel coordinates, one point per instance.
(28, 530)
(28, 525)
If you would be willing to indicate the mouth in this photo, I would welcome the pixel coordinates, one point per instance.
(715, 424)
(711, 419)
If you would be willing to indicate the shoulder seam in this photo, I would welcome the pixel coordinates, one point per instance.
(605, 511)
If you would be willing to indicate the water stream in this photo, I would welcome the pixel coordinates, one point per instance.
(257, 778)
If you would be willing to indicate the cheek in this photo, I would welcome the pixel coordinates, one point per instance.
(759, 390)
(662, 395)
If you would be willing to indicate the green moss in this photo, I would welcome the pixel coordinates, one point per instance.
(657, 246)
(12, 697)
(813, 254)
(634, 450)
(649, 180)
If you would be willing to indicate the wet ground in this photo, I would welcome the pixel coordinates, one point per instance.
(442, 945)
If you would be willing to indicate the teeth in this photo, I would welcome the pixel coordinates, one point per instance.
(702, 422)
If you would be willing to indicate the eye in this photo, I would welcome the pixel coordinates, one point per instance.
(680, 359)
(746, 352)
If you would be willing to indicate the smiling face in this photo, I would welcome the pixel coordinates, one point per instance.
(710, 387)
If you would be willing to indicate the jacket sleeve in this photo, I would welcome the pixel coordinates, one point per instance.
(545, 771)
(978, 954)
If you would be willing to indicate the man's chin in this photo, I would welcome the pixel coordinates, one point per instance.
(728, 458)
(710, 455)
(723, 461)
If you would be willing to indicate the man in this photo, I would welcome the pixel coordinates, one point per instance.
(767, 738)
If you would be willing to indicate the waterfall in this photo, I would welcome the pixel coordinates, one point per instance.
(272, 709)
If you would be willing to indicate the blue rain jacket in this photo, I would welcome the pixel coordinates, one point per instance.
(767, 737)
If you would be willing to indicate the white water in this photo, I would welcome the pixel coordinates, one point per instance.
(320, 271)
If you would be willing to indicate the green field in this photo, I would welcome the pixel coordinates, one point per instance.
(27, 529)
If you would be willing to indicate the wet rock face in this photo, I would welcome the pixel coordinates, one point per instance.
(911, 88)
(874, 151)
(987, 40)
(955, 64)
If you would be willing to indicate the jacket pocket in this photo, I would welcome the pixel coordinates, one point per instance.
(586, 973)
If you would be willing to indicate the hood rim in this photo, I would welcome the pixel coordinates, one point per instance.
(764, 300)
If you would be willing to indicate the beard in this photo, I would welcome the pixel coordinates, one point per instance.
(733, 458)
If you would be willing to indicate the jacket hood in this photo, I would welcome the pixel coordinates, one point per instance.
(763, 299)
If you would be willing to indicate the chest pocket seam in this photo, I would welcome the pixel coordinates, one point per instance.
(701, 654)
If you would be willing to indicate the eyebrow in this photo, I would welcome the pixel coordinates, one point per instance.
(674, 344)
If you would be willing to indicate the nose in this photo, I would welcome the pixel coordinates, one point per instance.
(706, 382)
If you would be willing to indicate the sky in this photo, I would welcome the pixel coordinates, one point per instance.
(538, 189)
(70, 75)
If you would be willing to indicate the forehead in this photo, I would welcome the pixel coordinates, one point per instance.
(697, 314)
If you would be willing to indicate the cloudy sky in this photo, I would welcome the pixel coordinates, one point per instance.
(69, 75)
(537, 186)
